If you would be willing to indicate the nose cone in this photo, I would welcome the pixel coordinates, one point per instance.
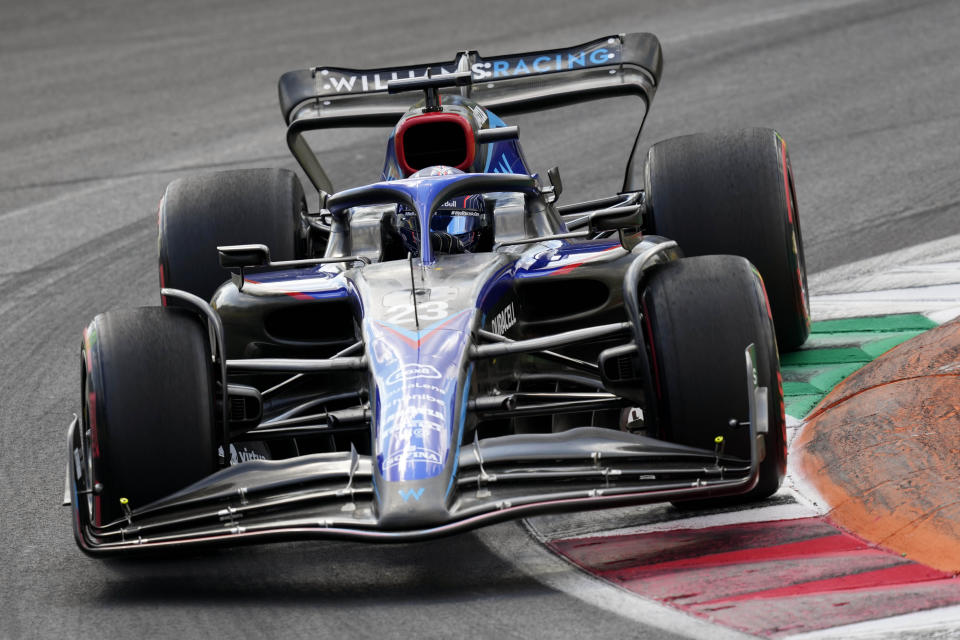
(421, 382)
(412, 505)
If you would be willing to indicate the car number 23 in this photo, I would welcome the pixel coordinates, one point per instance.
(427, 310)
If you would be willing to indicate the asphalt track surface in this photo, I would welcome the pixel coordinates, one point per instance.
(103, 103)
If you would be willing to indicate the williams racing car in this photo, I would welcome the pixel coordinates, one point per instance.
(449, 346)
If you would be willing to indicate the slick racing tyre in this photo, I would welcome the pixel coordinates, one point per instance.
(702, 313)
(148, 407)
(246, 206)
(732, 193)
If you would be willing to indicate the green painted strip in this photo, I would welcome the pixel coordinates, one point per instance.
(879, 347)
(791, 389)
(835, 350)
(824, 356)
(904, 322)
(800, 406)
(833, 376)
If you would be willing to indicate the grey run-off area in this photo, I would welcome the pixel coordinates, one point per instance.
(103, 103)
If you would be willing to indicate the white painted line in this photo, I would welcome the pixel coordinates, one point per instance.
(878, 272)
(943, 299)
(902, 277)
(924, 278)
(791, 511)
(939, 623)
(945, 315)
(515, 546)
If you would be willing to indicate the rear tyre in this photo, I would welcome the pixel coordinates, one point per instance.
(148, 412)
(732, 193)
(245, 206)
(702, 314)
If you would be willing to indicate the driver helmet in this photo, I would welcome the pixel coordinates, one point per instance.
(459, 225)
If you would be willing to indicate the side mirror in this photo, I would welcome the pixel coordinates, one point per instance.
(553, 174)
(238, 256)
(619, 219)
(556, 185)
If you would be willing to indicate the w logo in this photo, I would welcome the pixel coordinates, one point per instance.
(406, 494)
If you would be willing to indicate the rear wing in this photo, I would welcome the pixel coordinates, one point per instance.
(332, 97)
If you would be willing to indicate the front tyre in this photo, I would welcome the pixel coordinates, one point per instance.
(148, 408)
(702, 313)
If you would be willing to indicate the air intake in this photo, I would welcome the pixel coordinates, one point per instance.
(434, 139)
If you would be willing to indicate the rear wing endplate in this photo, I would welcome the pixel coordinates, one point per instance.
(333, 97)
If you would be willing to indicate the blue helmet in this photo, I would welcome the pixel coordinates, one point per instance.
(460, 225)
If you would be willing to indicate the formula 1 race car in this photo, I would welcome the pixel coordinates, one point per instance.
(447, 347)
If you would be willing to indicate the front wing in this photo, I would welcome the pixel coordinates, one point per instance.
(330, 495)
